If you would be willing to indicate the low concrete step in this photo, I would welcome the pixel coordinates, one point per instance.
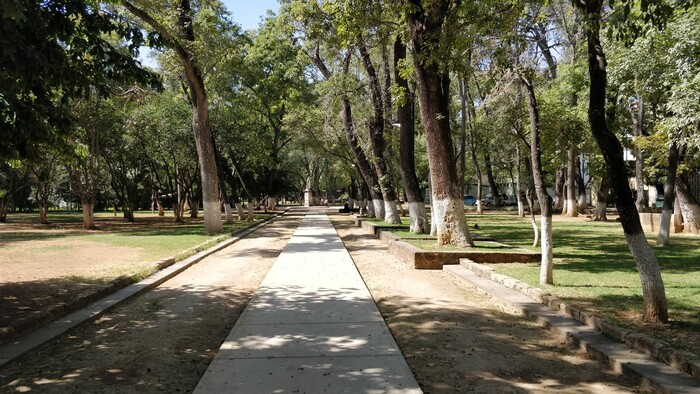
(655, 376)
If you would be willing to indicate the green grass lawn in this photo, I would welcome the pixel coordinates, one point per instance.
(593, 268)
(154, 237)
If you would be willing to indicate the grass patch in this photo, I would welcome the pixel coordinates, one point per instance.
(594, 269)
(431, 244)
(153, 240)
(380, 222)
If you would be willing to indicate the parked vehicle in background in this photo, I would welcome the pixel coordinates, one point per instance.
(469, 200)
(487, 201)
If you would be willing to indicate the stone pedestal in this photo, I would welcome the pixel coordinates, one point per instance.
(308, 198)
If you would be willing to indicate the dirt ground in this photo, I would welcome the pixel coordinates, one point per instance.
(40, 268)
(162, 341)
(454, 338)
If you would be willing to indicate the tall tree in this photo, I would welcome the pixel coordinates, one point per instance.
(181, 37)
(429, 24)
(655, 304)
(418, 222)
(545, 200)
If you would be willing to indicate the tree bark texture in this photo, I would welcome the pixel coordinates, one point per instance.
(433, 89)
(663, 238)
(471, 111)
(638, 120)
(495, 193)
(376, 132)
(418, 221)
(559, 190)
(201, 125)
(655, 304)
(363, 165)
(688, 204)
(571, 176)
(545, 200)
(601, 205)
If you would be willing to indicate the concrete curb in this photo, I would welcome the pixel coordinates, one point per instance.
(433, 259)
(656, 376)
(661, 351)
(42, 327)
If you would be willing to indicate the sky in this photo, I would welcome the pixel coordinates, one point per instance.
(246, 13)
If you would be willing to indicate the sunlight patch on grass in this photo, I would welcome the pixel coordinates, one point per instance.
(594, 269)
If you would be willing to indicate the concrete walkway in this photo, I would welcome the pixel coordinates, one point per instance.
(312, 327)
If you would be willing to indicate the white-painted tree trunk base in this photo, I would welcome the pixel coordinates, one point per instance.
(229, 214)
(600, 211)
(391, 213)
(239, 210)
(271, 203)
(663, 237)
(370, 209)
(212, 217)
(450, 222)
(571, 208)
(378, 209)
(653, 292)
(547, 265)
(521, 209)
(535, 231)
(479, 207)
(418, 220)
(251, 215)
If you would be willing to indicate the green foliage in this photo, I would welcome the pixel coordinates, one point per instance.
(53, 51)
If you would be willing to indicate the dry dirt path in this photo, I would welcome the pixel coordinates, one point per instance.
(456, 340)
(164, 340)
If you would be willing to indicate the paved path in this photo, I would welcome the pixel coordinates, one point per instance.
(312, 327)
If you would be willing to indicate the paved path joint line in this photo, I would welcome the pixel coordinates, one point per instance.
(311, 327)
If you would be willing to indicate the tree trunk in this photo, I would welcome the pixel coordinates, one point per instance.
(546, 268)
(601, 206)
(251, 214)
(161, 210)
(229, 213)
(128, 212)
(43, 217)
(472, 146)
(663, 237)
(194, 208)
(655, 304)
(271, 204)
(582, 199)
(463, 134)
(433, 89)
(689, 205)
(363, 165)
(418, 221)
(200, 109)
(495, 193)
(518, 189)
(88, 219)
(638, 120)
(376, 132)
(239, 210)
(571, 204)
(559, 191)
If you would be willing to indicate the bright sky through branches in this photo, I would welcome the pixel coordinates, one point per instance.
(246, 13)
